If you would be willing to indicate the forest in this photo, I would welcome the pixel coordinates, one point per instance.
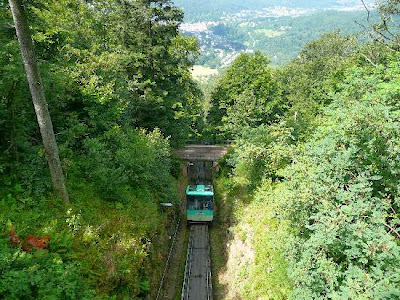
(119, 91)
(279, 29)
(309, 189)
(281, 39)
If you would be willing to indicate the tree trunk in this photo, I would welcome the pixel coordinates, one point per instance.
(39, 99)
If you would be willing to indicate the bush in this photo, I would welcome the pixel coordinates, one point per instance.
(127, 159)
(342, 197)
(325, 219)
(39, 275)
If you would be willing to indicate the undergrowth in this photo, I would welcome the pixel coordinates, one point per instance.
(248, 261)
(97, 250)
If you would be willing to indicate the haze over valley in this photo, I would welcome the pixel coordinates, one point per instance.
(279, 29)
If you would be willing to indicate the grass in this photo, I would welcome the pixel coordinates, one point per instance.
(270, 33)
(203, 73)
(246, 245)
(117, 247)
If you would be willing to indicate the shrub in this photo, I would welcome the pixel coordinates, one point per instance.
(341, 197)
(127, 159)
(39, 275)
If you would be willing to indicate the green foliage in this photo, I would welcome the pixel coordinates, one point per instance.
(247, 95)
(310, 80)
(113, 72)
(97, 248)
(260, 152)
(336, 204)
(253, 241)
(126, 158)
(130, 58)
(268, 275)
(319, 186)
(385, 31)
(104, 64)
(342, 197)
(39, 275)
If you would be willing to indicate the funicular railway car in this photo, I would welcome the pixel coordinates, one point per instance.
(200, 192)
(199, 203)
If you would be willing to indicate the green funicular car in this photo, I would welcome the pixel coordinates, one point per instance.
(199, 203)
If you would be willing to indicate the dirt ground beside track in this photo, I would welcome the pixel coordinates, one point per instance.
(173, 281)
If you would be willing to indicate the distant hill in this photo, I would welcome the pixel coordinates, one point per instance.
(280, 29)
(212, 10)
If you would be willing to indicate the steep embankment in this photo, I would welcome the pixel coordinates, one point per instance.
(309, 197)
(111, 240)
(247, 263)
(325, 224)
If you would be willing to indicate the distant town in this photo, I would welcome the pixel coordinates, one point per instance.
(250, 30)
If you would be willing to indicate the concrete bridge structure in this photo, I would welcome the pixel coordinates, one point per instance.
(202, 152)
(201, 161)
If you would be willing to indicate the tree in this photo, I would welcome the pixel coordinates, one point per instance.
(341, 196)
(310, 80)
(126, 55)
(246, 96)
(385, 32)
(39, 99)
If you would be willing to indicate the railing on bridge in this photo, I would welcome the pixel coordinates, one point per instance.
(205, 142)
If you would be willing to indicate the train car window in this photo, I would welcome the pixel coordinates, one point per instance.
(199, 202)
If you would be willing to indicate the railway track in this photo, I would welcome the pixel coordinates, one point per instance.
(197, 284)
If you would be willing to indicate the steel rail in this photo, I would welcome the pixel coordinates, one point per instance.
(188, 266)
(198, 234)
(209, 278)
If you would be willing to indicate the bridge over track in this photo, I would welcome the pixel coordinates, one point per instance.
(202, 152)
(197, 283)
(201, 160)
